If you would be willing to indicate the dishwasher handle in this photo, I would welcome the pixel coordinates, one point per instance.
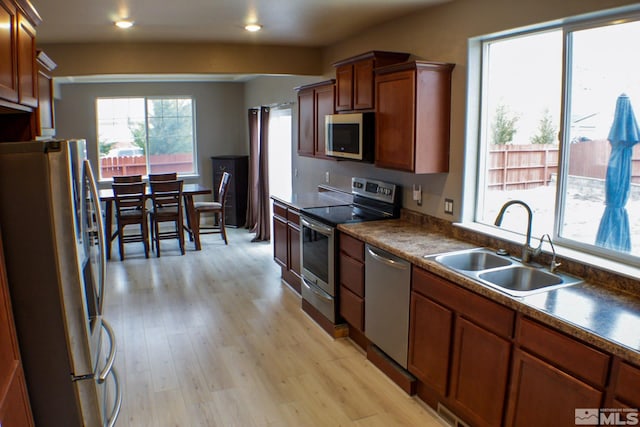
(400, 265)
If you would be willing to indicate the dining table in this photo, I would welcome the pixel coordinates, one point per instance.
(188, 191)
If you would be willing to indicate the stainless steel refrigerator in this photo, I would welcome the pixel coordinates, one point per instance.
(55, 257)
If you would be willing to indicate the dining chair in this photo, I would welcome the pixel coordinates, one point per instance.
(170, 176)
(216, 208)
(127, 178)
(131, 210)
(166, 197)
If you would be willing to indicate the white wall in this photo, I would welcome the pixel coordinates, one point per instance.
(220, 115)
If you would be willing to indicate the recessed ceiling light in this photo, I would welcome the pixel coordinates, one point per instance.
(124, 23)
(253, 27)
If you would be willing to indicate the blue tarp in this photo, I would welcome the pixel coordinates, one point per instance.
(614, 231)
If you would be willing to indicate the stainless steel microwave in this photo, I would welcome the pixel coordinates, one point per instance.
(350, 136)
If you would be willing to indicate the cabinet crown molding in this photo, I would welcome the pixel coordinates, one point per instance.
(414, 65)
(314, 85)
(374, 54)
(30, 11)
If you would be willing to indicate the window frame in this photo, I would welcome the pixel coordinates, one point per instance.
(475, 158)
(146, 98)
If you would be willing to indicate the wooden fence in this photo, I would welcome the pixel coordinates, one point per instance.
(135, 165)
(515, 167)
(590, 159)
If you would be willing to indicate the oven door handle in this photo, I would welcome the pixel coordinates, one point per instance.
(313, 289)
(316, 227)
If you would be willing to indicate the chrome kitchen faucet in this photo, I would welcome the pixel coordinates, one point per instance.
(527, 250)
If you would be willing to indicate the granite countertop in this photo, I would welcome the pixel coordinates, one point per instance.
(604, 317)
(315, 199)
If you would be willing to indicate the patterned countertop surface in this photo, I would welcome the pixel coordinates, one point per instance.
(604, 317)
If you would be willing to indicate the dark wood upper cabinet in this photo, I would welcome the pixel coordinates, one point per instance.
(28, 89)
(344, 87)
(8, 52)
(355, 79)
(315, 101)
(18, 78)
(413, 106)
(324, 105)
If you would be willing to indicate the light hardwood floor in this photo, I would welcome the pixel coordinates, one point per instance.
(213, 338)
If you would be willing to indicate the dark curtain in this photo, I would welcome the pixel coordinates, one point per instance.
(263, 224)
(254, 162)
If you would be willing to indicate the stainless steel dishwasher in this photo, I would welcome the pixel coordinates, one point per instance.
(386, 302)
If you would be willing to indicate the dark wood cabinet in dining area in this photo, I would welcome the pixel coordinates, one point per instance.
(238, 167)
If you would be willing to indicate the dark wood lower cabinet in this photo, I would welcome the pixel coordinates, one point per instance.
(286, 243)
(14, 405)
(280, 252)
(351, 279)
(430, 333)
(479, 374)
(293, 273)
(542, 395)
(625, 391)
(15, 409)
(352, 308)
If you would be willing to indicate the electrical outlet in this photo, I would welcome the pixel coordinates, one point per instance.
(448, 206)
(326, 177)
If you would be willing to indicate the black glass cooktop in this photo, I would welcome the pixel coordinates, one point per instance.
(343, 214)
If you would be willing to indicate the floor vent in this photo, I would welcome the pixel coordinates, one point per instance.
(449, 417)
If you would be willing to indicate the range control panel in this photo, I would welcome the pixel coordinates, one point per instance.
(374, 189)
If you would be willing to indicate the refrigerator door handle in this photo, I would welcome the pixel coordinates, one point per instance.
(111, 421)
(112, 354)
(102, 243)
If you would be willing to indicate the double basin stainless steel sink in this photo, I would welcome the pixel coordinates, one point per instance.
(503, 272)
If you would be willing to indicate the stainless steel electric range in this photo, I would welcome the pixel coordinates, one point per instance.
(372, 200)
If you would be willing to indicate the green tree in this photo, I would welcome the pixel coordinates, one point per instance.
(139, 132)
(105, 147)
(546, 130)
(504, 126)
(169, 127)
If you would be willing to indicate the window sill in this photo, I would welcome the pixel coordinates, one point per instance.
(565, 252)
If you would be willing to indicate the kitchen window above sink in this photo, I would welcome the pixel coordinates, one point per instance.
(503, 272)
(548, 135)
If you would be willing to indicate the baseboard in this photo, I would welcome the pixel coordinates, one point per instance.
(391, 369)
(336, 331)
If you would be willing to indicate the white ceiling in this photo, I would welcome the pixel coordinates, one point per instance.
(285, 22)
